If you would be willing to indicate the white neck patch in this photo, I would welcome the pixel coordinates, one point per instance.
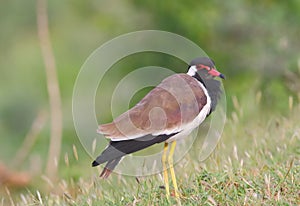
(192, 70)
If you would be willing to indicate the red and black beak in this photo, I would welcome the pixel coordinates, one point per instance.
(215, 73)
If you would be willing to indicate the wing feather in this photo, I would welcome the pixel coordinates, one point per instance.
(176, 101)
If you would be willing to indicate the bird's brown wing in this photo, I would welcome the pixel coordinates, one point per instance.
(164, 110)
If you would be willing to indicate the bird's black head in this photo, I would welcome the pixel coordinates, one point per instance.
(203, 60)
(203, 69)
(205, 64)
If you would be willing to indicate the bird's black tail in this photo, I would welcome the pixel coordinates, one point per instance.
(117, 149)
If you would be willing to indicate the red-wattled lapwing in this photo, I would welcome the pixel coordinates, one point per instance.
(167, 113)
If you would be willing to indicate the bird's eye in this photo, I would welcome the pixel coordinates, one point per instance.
(202, 66)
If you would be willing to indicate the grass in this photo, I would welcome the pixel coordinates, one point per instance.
(257, 162)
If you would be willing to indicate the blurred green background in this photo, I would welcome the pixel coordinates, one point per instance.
(255, 44)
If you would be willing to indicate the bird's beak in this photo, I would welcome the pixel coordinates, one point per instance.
(222, 76)
(215, 73)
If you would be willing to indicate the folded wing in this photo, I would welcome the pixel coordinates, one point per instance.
(164, 110)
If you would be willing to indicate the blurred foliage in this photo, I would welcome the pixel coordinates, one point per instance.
(240, 35)
(253, 44)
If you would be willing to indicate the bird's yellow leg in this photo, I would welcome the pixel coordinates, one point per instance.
(170, 160)
(165, 171)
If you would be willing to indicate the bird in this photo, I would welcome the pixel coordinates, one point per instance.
(168, 113)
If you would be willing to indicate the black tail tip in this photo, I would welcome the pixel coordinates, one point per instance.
(94, 164)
